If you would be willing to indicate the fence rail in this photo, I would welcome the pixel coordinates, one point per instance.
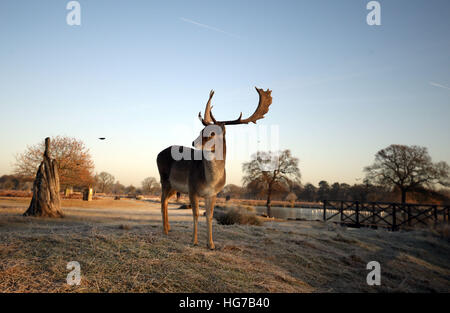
(384, 214)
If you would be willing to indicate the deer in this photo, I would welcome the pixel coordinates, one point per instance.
(200, 172)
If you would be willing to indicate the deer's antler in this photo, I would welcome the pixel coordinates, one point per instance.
(265, 100)
(209, 118)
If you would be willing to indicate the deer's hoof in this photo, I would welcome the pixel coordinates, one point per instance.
(211, 246)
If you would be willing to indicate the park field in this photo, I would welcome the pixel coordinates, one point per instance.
(121, 248)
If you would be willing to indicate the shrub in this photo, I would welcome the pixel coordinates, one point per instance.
(443, 230)
(236, 215)
(15, 193)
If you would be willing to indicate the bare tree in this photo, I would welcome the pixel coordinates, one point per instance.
(406, 167)
(75, 165)
(118, 188)
(270, 169)
(291, 197)
(130, 190)
(149, 184)
(324, 190)
(232, 191)
(104, 182)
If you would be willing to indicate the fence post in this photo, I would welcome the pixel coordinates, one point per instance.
(394, 217)
(409, 215)
(374, 221)
(324, 210)
(342, 211)
(357, 213)
(435, 215)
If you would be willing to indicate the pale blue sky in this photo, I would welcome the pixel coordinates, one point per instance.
(138, 72)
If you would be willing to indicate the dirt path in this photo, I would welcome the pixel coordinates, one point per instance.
(121, 248)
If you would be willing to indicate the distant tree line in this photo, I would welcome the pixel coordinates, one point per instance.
(16, 182)
(336, 191)
(105, 183)
(399, 173)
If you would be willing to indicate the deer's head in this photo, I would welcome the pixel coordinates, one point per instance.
(213, 134)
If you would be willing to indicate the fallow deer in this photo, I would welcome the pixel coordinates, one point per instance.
(200, 172)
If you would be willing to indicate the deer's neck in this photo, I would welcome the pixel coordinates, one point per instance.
(214, 164)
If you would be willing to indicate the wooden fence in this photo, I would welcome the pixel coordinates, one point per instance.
(384, 214)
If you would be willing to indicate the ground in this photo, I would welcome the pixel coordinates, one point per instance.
(121, 248)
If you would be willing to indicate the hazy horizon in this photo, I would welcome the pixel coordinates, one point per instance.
(138, 74)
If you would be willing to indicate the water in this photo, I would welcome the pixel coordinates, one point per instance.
(293, 213)
(313, 214)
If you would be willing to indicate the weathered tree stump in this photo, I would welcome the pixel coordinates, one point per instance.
(87, 194)
(46, 201)
(68, 192)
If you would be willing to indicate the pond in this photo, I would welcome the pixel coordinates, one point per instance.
(308, 213)
(292, 213)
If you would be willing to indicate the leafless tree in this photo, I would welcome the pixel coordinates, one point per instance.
(407, 168)
(118, 188)
(104, 182)
(270, 169)
(232, 191)
(149, 184)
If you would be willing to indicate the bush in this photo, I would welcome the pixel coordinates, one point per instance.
(236, 215)
(16, 193)
(443, 230)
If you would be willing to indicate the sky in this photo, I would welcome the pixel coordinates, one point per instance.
(138, 73)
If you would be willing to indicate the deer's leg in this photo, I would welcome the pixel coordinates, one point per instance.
(194, 204)
(166, 193)
(164, 209)
(209, 207)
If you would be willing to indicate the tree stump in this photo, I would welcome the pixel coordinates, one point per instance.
(68, 192)
(46, 201)
(87, 194)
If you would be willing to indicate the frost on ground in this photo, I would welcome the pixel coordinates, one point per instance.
(121, 248)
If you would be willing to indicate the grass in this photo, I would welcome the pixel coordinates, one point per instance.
(121, 248)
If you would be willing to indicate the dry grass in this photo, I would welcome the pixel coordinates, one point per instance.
(121, 248)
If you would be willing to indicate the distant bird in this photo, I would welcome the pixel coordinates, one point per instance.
(102, 138)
